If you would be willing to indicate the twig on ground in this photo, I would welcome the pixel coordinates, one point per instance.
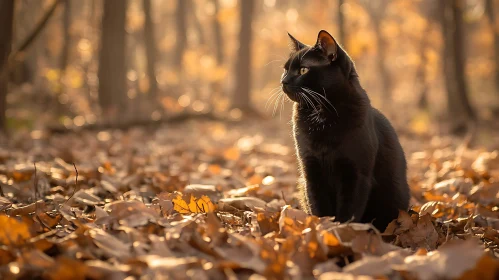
(76, 184)
(284, 198)
(35, 187)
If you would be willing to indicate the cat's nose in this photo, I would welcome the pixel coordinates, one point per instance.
(286, 80)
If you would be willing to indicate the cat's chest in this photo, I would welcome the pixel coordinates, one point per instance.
(320, 144)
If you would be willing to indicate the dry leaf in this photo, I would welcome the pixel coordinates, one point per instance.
(13, 232)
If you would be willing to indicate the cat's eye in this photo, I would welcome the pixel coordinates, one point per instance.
(303, 70)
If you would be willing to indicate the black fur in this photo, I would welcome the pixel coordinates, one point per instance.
(352, 164)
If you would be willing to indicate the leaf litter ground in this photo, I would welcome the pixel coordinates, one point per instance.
(207, 200)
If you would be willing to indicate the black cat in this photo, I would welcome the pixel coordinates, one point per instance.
(352, 164)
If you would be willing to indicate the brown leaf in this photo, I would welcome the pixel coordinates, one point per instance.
(241, 203)
(377, 266)
(242, 251)
(343, 276)
(37, 259)
(450, 261)
(67, 269)
(198, 190)
(370, 243)
(485, 194)
(4, 203)
(451, 186)
(111, 246)
(292, 218)
(246, 191)
(486, 268)
(401, 224)
(327, 266)
(13, 231)
(268, 221)
(422, 235)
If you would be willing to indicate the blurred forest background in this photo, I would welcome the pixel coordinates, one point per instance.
(74, 63)
(103, 175)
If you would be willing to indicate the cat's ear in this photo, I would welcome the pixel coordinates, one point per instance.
(327, 44)
(295, 44)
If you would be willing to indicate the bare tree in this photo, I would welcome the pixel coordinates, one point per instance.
(198, 27)
(18, 54)
(459, 107)
(181, 33)
(491, 15)
(112, 66)
(376, 11)
(6, 26)
(241, 98)
(218, 34)
(66, 23)
(150, 43)
(421, 75)
(341, 24)
(429, 10)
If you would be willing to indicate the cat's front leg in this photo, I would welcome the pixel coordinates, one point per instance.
(319, 196)
(353, 195)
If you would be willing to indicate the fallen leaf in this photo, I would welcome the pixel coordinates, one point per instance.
(422, 235)
(450, 261)
(13, 232)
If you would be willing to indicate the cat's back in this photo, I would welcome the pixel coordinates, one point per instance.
(387, 136)
(391, 165)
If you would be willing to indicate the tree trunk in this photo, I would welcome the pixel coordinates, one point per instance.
(241, 97)
(150, 43)
(198, 27)
(421, 75)
(459, 107)
(219, 48)
(376, 11)
(6, 27)
(181, 33)
(490, 11)
(112, 66)
(341, 24)
(66, 22)
(381, 44)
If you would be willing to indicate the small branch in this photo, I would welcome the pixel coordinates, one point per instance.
(35, 186)
(16, 55)
(284, 198)
(76, 184)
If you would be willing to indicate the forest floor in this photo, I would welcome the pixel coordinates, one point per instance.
(210, 200)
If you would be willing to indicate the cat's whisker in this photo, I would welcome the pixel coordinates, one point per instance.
(314, 97)
(272, 61)
(304, 97)
(273, 94)
(317, 98)
(282, 107)
(323, 89)
(269, 100)
(281, 95)
(318, 101)
(275, 104)
(312, 92)
(310, 102)
(301, 100)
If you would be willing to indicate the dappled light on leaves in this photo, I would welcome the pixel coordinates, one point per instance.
(226, 204)
(192, 204)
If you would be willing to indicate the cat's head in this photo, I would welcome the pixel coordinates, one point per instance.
(314, 71)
